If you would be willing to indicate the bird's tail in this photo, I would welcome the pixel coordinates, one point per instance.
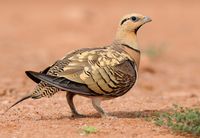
(19, 101)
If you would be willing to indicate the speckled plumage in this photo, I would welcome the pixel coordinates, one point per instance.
(109, 71)
(97, 73)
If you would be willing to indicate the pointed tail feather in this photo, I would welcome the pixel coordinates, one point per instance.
(19, 101)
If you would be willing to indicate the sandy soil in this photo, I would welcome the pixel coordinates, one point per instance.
(34, 34)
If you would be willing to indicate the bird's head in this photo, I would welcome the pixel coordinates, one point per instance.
(133, 22)
(128, 28)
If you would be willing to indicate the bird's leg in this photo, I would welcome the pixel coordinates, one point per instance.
(70, 97)
(96, 102)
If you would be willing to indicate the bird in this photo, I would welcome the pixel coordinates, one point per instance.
(100, 74)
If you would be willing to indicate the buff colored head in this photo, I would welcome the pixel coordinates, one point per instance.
(133, 22)
(128, 28)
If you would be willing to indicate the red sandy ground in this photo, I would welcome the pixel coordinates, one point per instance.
(34, 34)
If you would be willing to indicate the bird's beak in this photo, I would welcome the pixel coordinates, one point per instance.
(146, 19)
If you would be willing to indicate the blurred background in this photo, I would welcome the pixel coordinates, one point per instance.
(35, 33)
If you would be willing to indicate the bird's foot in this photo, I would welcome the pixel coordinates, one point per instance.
(77, 115)
(109, 117)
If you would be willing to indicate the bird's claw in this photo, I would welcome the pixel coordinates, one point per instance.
(77, 115)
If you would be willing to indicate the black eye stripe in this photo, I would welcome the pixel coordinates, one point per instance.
(123, 21)
(133, 18)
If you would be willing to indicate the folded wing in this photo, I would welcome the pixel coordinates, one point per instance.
(94, 72)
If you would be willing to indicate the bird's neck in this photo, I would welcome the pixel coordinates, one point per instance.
(127, 37)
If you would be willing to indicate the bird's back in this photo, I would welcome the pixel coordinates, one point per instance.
(108, 71)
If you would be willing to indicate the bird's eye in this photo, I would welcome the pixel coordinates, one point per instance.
(133, 18)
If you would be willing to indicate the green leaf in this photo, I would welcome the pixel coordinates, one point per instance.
(88, 130)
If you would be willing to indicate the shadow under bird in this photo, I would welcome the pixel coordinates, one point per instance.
(97, 73)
